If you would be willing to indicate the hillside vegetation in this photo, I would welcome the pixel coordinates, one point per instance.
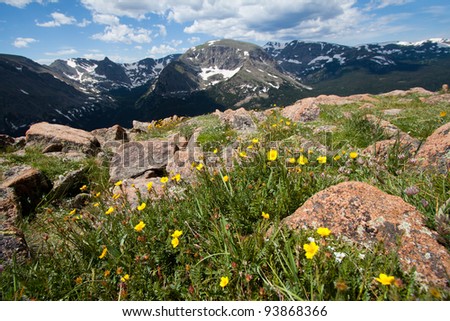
(217, 232)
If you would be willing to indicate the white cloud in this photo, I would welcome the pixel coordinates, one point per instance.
(24, 3)
(62, 52)
(60, 19)
(162, 30)
(105, 19)
(379, 4)
(261, 20)
(161, 50)
(23, 42)
(193, 40)
(123, 33)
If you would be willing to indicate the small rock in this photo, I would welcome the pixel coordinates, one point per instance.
(68, 184)
(134, 159)
(392, 112)
(29, 184)
(239, 119)
(51, 148)
(114, 133)
(303, 110)
(12, 240)
(6, 141)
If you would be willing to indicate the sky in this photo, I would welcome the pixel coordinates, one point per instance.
(131, 30)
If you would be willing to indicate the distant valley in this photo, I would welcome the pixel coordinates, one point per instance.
(219, 74)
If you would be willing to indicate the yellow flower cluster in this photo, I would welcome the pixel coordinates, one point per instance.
(175, 238)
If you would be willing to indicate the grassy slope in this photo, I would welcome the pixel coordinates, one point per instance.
(223, 231)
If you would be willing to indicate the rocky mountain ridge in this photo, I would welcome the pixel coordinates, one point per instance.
(216, 75)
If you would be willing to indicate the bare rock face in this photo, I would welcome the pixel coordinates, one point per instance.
(435, 152)
(12, 241)
(365, 215)
(64, 137)
(29, 184)
(135, 159)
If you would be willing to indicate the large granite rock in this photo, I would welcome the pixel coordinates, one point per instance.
(365, 215)
(435, 152)
(57, 138)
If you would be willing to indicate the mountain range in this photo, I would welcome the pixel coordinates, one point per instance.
(219, 74)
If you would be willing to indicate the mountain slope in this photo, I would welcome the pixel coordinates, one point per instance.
(30, 92)
(219, 74)
(314, 62)
(104, 75)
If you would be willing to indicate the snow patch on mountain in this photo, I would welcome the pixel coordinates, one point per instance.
(208, 72)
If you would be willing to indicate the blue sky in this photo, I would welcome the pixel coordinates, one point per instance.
(127, 31)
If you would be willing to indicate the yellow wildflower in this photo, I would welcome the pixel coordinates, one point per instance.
(353, 155)
(255, 141)
(310, 151)
(141, 207)
(96, 204)
(98, 194)
(288, 123)
(311, 250)
(175, 242)
(274, 125)
(292, 160)
(83, 188)
(385, 279)
(250, 147)
(323, 231)
(337, 157)
(140, 226)
(78, 280)
(177, 233)
(104, 252)
(110, 210)
(215, 151)
(224, 281)
(302, 160)
(265, 215)
(443, 113)
(119, 270)
(199, 167)
(118, 183)
(125, 278)
(149, 186)
(322, 159)
(225, 178)
(176, 178)
(243, 154)
(73, 211)
(116, 196)
(107, 273)
(272, 155)
(164, 179)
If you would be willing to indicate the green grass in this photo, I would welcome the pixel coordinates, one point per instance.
(51, 166)
(223, 231)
